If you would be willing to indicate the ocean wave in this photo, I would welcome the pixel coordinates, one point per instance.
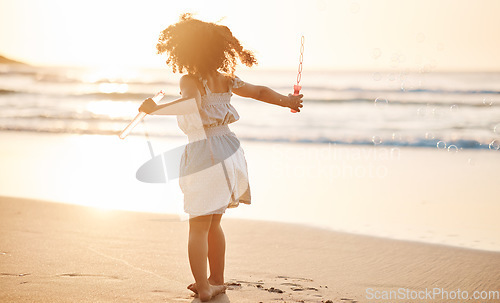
(61, 77)
(418, 142)
(115, 96)
(55, 78)
(438, 91)
(65, 116)
(28, 128)
(336, 96)
(26, 71)
(140, 96)
(342, 111)
(423, 102)
(7, 92)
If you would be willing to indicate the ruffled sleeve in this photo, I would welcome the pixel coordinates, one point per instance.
(237, 82)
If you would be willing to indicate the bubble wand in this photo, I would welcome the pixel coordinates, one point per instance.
(297, 87)
(138, 118)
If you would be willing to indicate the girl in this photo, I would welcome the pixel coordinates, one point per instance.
(213, 171)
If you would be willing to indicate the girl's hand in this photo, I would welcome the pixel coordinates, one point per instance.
(295, 102)
(148, 106)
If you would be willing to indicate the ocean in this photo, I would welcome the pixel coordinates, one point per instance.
(452, 111)
(401, 155)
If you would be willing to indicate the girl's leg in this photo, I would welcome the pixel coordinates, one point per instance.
(216, 251)
(198, 252)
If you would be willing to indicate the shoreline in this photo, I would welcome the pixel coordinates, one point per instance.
(474, 146)
(183, 219)
(74, 253)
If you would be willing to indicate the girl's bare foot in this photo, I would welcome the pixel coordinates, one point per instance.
(213, 290)
(192, 286)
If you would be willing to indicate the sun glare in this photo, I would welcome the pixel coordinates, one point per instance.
(110, 74)
(109, 88)
(112, 109)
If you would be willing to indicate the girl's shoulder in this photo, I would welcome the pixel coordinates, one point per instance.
(229, 77)
(190, 82)
(234, 81)
(189, 78)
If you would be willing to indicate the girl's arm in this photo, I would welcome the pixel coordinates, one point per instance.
(265, 94)
(187, 104)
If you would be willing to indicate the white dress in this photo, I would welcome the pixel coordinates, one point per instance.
(213, 171)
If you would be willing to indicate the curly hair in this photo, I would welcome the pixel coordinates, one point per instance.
(200, 47)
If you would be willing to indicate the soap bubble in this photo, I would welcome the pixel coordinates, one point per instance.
(396, 137)
(488, 101)
(392, 77)
(471, 161)
(321, 5)
(410, 84)
(453, 148)
(441, 145)
(496, 129)
(395, 57)
(424, 69)
(376, 53)
(494, 145)
(453, 108)
(422, 112)
(381, 102)
(355, 7)
(420, 37)
(429, 135)
(434, 112)
(433, 64)
(376, 140)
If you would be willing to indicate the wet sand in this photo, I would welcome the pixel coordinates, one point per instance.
(418, 194)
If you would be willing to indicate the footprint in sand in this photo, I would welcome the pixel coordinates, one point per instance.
(296, 288)
(89, 275)
(14, 275)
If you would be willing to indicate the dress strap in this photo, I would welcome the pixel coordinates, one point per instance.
(205, 85)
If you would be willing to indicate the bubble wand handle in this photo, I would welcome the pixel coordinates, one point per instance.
(297, 87)
(296, 92)
(138, 118)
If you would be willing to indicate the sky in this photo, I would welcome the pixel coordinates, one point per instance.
(425, 35)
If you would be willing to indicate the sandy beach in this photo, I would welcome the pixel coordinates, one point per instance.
(53, 252)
